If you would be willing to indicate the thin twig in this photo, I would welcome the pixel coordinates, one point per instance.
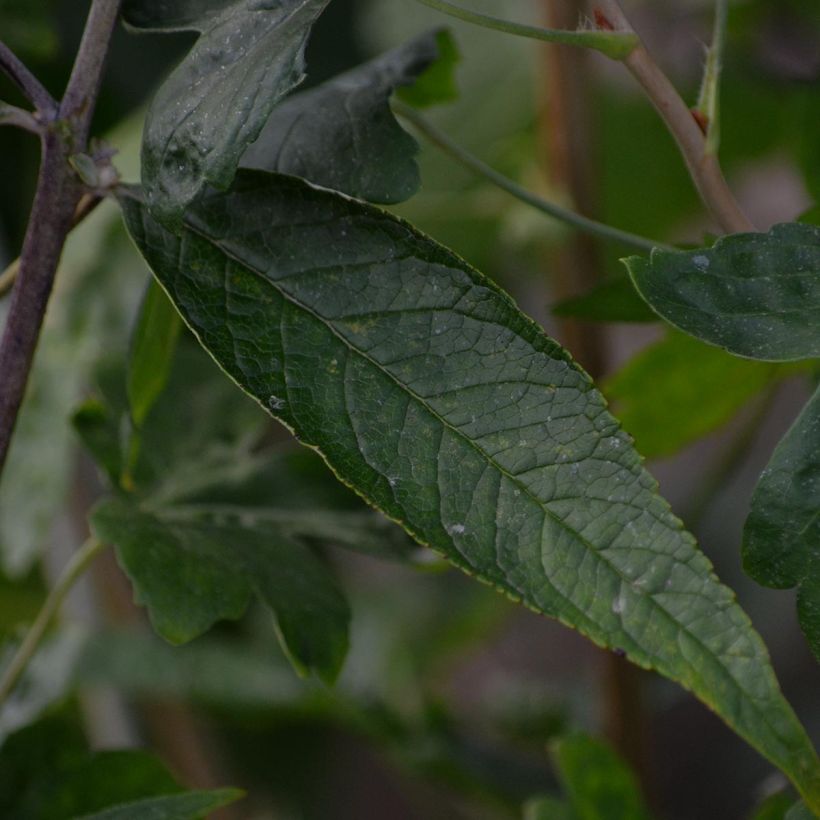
(616, 45)
(576, 220)
(703, 166)
(85, 206)
(86, 76)
(32, 88)
(74, 569)
(58, 192)
(709, 99)
(19, 118)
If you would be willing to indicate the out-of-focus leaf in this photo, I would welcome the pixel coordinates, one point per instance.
(428, 391)
(598, 784)
(188, 806)
(193, 570)
(756, 295)
(215, 103)
(547, 808)
(613, 300)
(680, 389)
(99, 428)
(152, 351)
(781, 538)
(45, 681)
(800, 812)
(774, 807)
(48, 773)
(343, 134)
(96, 291)
(30, 28)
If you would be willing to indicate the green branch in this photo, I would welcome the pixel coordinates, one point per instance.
(615, 44)
(575, 220)
(709, 99)
(74, 569)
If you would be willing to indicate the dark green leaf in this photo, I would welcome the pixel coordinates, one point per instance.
(597, 782)
(781, 539)
(429, 392)
(800, 812)
(680, 389)
(188, 806)
(214, 104)
(756, 295)
(343, 135)
(193, 568)
(437, 83)
(48, 773)
(152, 351)
(613, 300)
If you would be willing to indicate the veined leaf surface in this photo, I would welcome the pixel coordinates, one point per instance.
(754, 294)
(214, 104)
(430, 393)
(781, 539)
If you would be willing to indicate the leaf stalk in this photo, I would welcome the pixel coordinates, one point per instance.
(79, 562)
(565, 215)
(615, 44)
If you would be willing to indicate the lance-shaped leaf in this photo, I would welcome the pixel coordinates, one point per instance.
(214, 104)
(431, 394)
(188, 806)
(754, 294)
(343, 135)
(153, 343)
(193, 570)
(781, 539)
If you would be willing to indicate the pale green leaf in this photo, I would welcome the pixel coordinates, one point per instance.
(756, 295)
(429, 392)
(679, 389)
(781, 538)
(152, 351)
(598, 784)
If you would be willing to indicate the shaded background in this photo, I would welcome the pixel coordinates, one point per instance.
(450, 693)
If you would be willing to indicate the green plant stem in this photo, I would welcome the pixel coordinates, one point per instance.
(703, 167)
(616, 45)
(74, 569)
(709, 100)
(576, 220)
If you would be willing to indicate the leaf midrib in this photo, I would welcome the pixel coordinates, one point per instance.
(200, 232)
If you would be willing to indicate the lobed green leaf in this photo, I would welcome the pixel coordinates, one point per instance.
(781, 538)
(192, 570)
(343, 134)
(756, 295)
(429, 393)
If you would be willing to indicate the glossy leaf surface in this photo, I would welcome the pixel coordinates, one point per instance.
(193, 570)
(781, 539)
(343, 135)
(214, 104)
(756, 295)
(429, 392)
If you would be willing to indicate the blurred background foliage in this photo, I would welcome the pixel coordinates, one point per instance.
(450, 696)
